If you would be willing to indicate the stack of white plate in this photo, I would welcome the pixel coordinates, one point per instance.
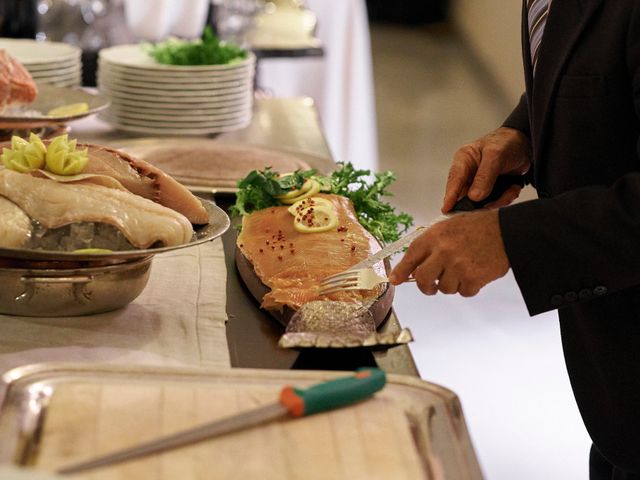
(148, 97)
(54, 63)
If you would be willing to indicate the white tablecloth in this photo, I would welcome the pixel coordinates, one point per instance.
(341, 82)
(178, 320)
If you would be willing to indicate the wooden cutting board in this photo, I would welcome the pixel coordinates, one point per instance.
(54, 415)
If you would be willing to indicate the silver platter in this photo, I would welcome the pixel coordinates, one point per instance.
(218, 224)
(49, 97)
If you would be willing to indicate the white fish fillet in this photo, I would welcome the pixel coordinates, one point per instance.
(54, 204)
(146, 180)
(15, 227)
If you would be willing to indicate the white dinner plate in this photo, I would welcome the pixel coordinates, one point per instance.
(58, 78)
(49, 68)
(121, 83)
(33, 53)
(173, 130)
(56, 72)
(195, 112)
(204, 95)
(168, 122)
(133, 56)
(233, 103)
(119, 112)
(170, 77)
(198, 100)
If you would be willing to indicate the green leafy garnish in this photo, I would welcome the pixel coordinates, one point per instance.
(207, 51)
(375, 215)
(260, 188)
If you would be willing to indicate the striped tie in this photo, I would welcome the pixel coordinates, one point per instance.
(538, 10)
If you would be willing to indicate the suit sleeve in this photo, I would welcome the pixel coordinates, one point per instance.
(519, 118)
(576, 246)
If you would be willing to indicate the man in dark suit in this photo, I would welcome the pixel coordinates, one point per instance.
(575, 135)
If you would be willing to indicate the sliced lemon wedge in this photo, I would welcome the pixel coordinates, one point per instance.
(69, 110)
(320, 218)
(92, 250)
(301, 205)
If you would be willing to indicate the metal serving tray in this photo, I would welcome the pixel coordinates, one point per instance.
(55, 414)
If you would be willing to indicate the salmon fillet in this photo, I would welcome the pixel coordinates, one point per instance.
(16, 84)
(292, 264)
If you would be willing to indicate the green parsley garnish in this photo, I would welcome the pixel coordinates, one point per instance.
(259, 189)
(207, 51)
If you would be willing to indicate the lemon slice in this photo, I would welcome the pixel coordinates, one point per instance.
(316, 219)
(92, 250)
(313, 190)
(308, 202)
(69, 110)
(306, 186)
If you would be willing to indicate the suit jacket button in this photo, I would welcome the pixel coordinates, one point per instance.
(585, 294)
(570, 297)
(600, 290)
(557, 300)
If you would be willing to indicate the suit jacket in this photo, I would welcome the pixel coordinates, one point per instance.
(577, 247)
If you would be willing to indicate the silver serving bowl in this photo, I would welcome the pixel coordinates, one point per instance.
(41, 283)
(71, 291)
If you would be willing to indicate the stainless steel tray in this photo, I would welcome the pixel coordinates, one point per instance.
(54, 414)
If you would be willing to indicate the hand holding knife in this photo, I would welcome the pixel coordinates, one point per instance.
(465, 204)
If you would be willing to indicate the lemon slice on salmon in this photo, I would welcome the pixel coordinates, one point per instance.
(308, 202)
(69, 110)
(320, 218)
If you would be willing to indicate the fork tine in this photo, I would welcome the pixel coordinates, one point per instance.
(340, 277)
(346, 283)
(339, 288)
(347, 273)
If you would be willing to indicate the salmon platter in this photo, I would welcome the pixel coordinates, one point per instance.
(306, 230)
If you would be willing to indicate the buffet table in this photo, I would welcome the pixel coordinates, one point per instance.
(290, 125)
(163, 362)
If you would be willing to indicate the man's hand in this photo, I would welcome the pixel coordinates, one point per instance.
(476, 166)
(458, 255)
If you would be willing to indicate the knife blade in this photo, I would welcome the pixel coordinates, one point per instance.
(293, 402)
(465, 204)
